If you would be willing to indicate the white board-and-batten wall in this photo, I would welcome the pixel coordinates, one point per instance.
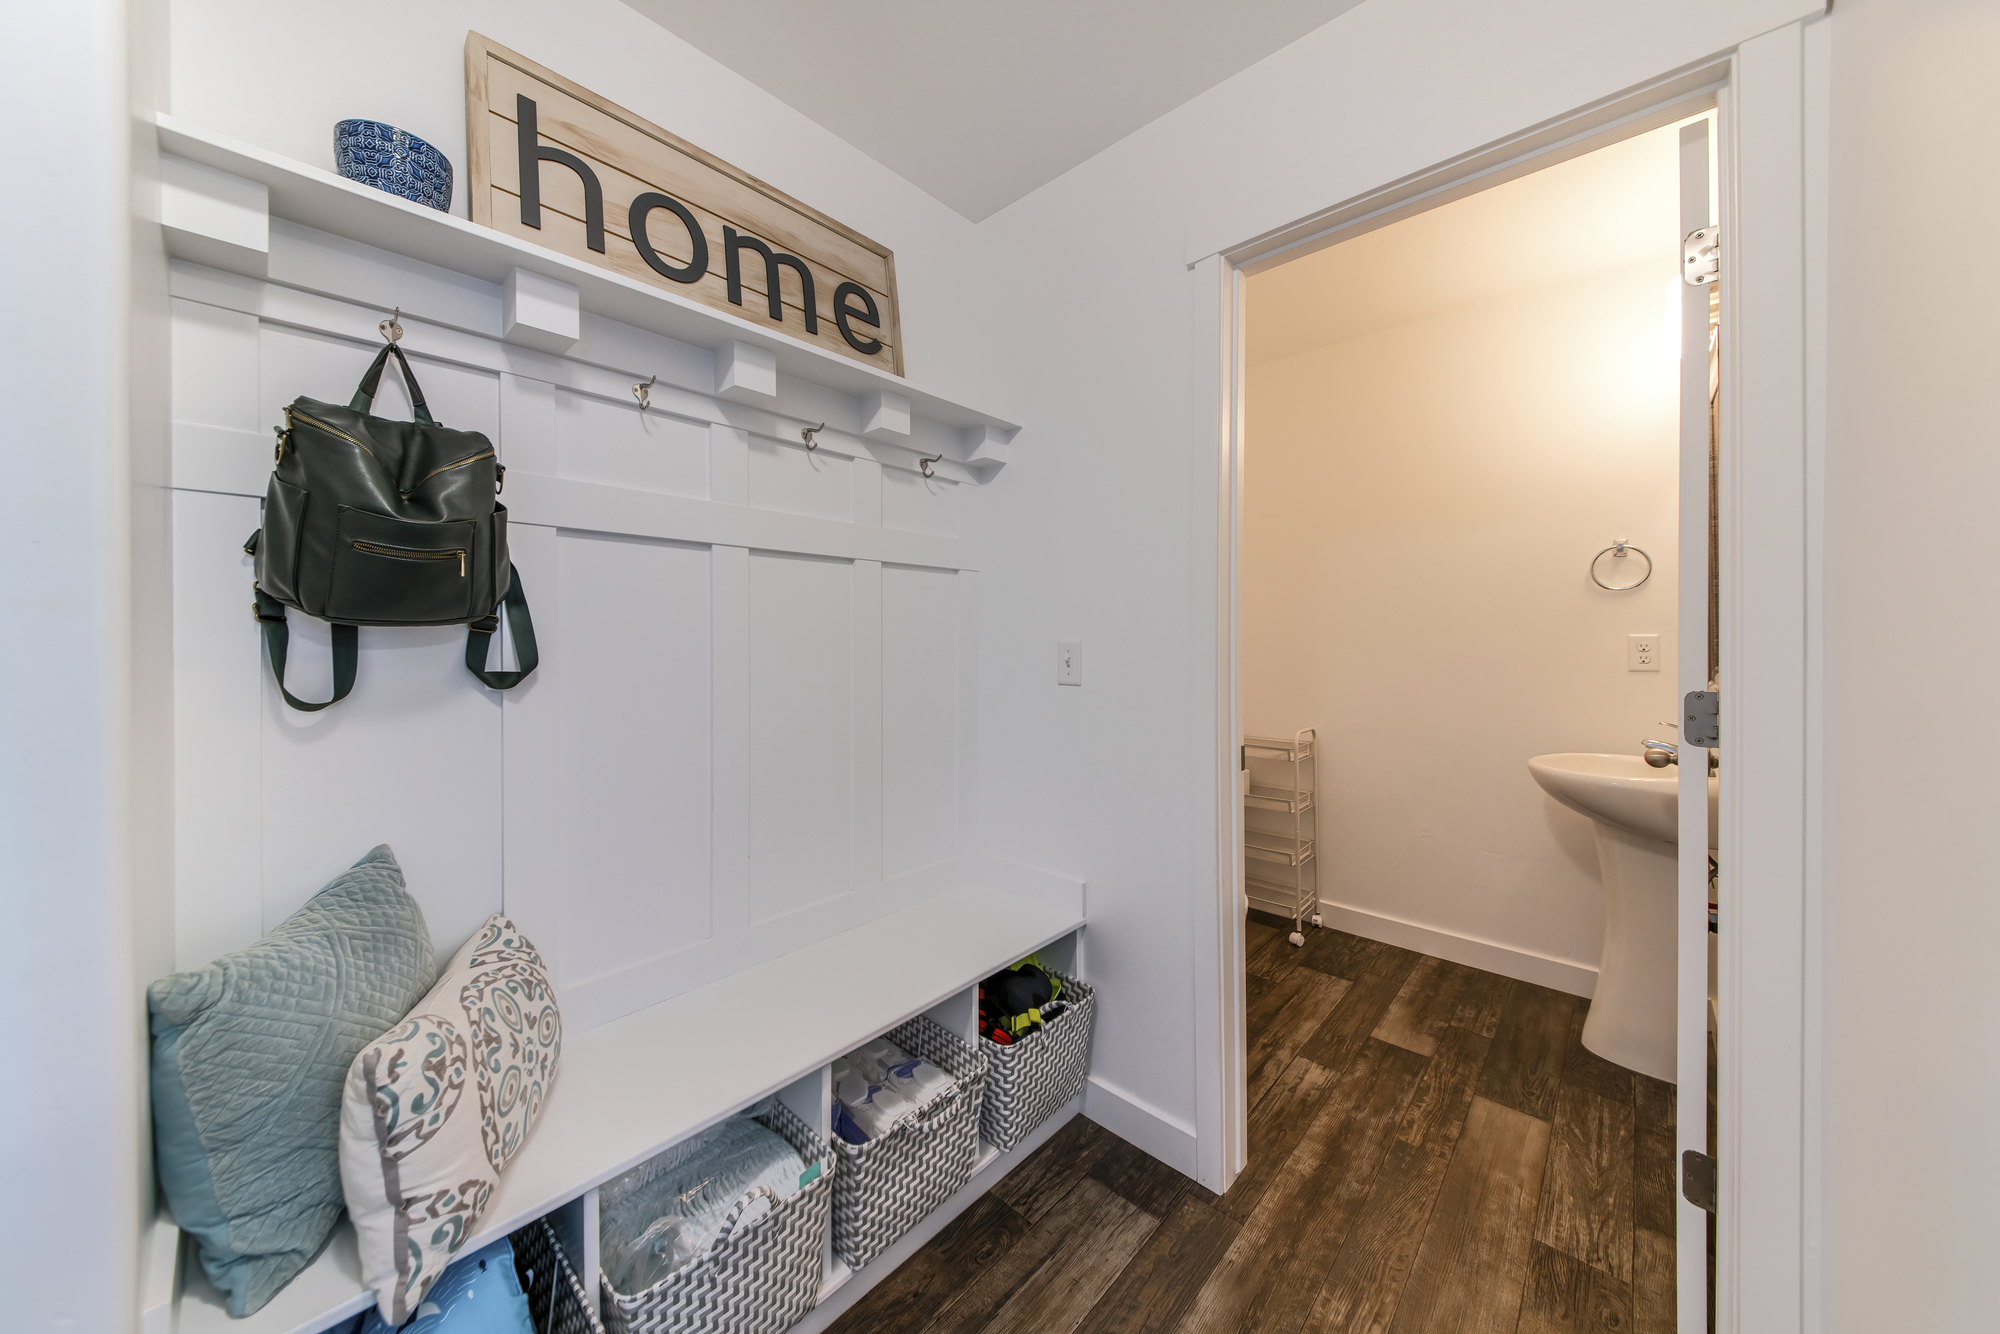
(754, 721)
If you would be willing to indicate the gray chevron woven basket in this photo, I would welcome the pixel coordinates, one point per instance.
(886, 1185)
(1028, 1080)
(760, 1278)
(549, 1281)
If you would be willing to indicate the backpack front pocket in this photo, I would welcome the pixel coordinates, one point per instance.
(392, 572)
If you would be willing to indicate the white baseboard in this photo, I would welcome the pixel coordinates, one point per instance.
(1146, 1127)
(1521, 965)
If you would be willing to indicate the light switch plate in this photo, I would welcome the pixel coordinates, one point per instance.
(1642, 653)
(1069, 662)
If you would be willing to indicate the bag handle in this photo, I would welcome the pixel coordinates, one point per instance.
(728, 1229)
(520, 627)
(364, 397)
(270, 614)
(947, 1107)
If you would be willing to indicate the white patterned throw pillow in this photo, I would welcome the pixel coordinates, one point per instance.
(437, 1106)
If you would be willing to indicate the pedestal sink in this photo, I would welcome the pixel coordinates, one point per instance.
(1634, 811)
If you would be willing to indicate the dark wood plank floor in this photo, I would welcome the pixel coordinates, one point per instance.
(1431, 1149)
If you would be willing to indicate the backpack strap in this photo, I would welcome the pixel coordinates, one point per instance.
(364, 397)
(520, 627)
(270, 614)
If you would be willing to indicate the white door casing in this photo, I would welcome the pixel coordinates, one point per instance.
(1766, 580)
(1691, 668)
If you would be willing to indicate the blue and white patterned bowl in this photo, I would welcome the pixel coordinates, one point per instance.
(392, 160)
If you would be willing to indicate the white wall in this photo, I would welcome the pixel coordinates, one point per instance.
(1911, 1032)
(1093, 536)
(1420, 506)
(150, 652)
(82, 831)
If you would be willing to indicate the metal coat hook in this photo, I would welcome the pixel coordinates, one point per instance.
(392, 328)
(925, 464)
(807, 435)
(644, 392)
(1618, 551)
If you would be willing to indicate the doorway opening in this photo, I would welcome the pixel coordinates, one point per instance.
(1475, 530)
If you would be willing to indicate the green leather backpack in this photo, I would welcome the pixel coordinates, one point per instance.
(369, 521)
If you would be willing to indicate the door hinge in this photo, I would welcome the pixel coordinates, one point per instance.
(1701, 718)
(1698, 1179)
(1701, 256)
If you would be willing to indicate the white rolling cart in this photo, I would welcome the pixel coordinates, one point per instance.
(1280, 828)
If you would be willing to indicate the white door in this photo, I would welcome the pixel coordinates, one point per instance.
(1691, 1110)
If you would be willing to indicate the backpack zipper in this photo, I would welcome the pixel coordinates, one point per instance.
(332, 431)
(340, 434)
(470, 458)
(411, 553)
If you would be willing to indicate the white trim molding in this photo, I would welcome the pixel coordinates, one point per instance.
(1578, 979)
(1219, 1041)
(1766, 574)
(1138, 1122)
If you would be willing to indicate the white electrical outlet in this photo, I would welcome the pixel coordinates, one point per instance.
(1642, 653)
(1069, 662)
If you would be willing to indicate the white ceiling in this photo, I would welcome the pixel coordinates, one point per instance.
(980, 104)
(1610, 209)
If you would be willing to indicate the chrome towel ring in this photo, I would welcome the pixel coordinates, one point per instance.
(1618, 551)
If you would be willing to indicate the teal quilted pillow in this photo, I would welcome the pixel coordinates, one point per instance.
(249, 1058)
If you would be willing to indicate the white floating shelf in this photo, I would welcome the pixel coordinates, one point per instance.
(627, 1089)
(329, 203)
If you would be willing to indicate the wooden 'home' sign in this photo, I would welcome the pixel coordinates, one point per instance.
(555, 164)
